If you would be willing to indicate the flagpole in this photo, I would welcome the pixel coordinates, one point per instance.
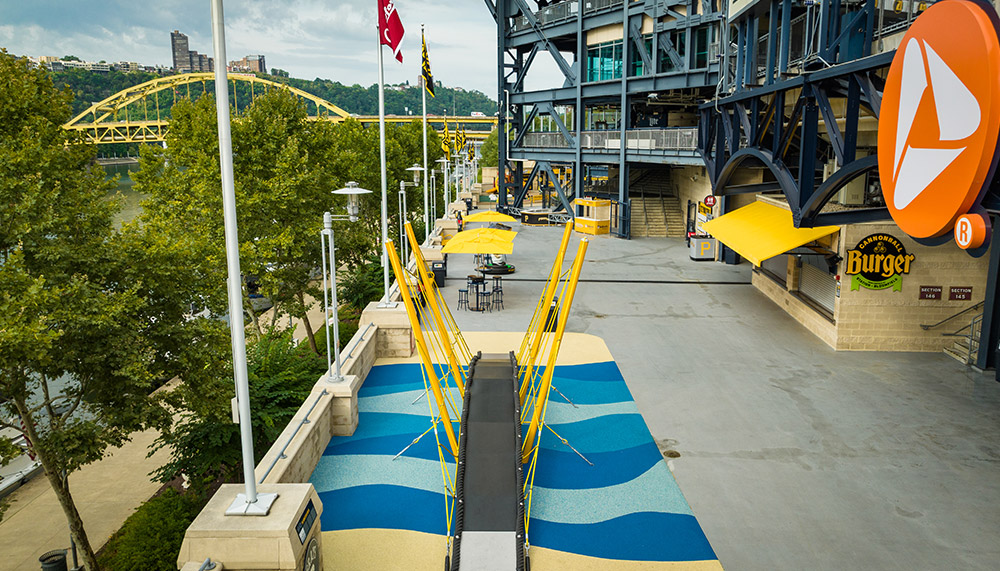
(249, 502)
(427, 216)
(381, 140)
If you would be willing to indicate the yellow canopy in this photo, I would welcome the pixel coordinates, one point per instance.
(497, 233)
(480, 245)
(489, 216)
(760, 231)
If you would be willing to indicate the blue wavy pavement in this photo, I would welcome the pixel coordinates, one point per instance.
(625, 507)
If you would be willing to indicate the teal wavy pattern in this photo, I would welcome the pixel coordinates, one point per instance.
(626, 506)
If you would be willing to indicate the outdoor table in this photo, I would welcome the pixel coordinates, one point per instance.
(476, 282)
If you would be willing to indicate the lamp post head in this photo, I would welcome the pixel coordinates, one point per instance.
(416, 170)
(353, 192)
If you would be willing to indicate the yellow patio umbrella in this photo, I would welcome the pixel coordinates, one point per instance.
(485, 244)
(489, 216)
(481, 232)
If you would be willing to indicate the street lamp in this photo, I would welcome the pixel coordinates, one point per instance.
(444, 167)
(353, 193)
(416, 170)
(402, 218)
(434, 209)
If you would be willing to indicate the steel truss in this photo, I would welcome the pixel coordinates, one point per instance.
(560, 30)
(791, 126)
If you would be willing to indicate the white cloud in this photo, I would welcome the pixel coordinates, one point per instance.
(309, 38)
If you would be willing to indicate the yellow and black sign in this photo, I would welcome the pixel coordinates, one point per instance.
(879, 261)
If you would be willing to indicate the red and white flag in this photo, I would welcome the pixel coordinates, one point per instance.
(390, 28)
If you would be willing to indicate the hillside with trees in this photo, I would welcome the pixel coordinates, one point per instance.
(89, 87)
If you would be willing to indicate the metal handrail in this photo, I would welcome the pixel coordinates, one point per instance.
(358, 340)
(305, 421)
(947, 319)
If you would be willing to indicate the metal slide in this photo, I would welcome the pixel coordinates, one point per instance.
(489, 518)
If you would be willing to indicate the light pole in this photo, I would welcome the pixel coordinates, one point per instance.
(416, 170)
(434, 209)
(353, 194)
(444, 167)
(248, 503)
(402, 218)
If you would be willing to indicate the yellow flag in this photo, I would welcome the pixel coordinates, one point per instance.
(426, 72)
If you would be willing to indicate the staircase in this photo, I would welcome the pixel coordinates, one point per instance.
(674, 216)
(965, 349)
(656, 210)
(960, 351)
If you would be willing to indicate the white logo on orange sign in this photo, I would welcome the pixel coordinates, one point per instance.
(958, 116)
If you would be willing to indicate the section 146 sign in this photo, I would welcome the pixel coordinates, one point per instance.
(879, 261)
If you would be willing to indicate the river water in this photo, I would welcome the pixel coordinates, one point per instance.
(131, 208)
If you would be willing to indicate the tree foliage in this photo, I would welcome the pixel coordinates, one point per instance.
(488, 151)
(91, 318)
(205, 443)
(285, 168)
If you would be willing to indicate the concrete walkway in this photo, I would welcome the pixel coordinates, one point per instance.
(792, 455)
(106, 493)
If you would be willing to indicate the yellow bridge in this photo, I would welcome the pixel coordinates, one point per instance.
(133, 115)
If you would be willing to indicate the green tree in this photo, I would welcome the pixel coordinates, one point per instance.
(284, 173)
(205, 443)
(488, 151)
(90, 317)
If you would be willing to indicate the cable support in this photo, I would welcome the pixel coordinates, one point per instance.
(453, 326)
(447, 480)
(539, 328)
(438, 357)
(566, 442)
(541, 346)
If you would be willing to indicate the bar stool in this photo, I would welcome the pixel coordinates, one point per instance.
(484, 300)
(498, 299)
(463, 298)
(497, 283)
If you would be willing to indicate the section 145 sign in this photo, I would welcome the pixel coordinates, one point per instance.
(879, 261)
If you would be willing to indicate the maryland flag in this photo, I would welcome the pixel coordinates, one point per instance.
(426, 74)
(446, 141)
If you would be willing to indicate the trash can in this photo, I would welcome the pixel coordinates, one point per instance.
(440, 271)
(468, 205)
(702, 248)
(54, 560)
(553, 317)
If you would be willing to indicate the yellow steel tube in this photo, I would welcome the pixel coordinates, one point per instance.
(550, 291)
(418, 336)
(429, 287)
(543, 392)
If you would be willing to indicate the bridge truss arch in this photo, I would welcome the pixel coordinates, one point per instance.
(101, 122)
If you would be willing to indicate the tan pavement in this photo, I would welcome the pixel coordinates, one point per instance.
(106, 493)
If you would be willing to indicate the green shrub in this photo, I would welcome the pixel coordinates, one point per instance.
(207, 449)
(361, 286)
(150, 539)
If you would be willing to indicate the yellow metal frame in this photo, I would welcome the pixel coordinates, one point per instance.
(422, 346)
(541, 401)
(444, 334)
(533, 338)
(105, 128)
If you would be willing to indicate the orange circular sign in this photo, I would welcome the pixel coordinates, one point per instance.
(971, 231)
(940, 117)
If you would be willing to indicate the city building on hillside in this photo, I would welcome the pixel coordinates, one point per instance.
(186, 60)
(251, 63)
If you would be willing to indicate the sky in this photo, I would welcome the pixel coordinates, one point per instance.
(329, 39)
